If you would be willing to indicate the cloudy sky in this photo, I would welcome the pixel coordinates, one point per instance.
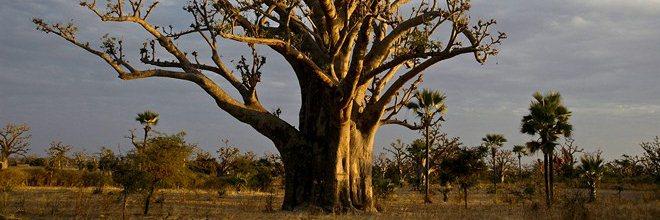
(602, 55)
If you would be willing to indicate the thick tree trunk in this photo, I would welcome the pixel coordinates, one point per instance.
(330, 165)
(333, 176)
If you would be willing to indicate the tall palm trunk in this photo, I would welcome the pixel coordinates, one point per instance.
(146, 135)
(519, 165)
(427, 198)
(551, 175)
(546, 182)
(592, 191)
(495, 173)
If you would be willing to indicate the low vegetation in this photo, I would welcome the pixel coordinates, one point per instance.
(165, 176)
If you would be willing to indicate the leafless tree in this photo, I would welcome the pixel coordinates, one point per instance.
(14, 140)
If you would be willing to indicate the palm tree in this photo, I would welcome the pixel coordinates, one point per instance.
(494, 142)
(591, 167)
(428, 106)
(148, 119)
(548, 118)
(519, 150)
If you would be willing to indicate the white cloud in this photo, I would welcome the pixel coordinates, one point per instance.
(578, 21)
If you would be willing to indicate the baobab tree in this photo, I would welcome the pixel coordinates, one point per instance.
(14, 140)
(549, 119)
(357, 64)
(58, 155)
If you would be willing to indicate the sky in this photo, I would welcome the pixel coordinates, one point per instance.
(602, 55)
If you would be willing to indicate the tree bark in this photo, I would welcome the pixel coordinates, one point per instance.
(329, 164)
(333, 176)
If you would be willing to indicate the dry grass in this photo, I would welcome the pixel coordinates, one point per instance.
(81, 203)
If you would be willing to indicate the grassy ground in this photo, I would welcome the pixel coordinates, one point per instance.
(81, 203)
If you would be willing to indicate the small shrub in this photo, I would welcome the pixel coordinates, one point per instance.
(573, 205)
(67, 178)
(11, 178)
(383, 187)
(270, 202)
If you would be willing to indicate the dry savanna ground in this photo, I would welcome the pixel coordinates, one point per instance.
(82, 203)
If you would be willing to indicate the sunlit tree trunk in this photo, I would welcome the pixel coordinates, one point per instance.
(330, 165)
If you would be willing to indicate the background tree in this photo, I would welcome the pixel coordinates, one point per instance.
(548, 118)
(567, 159)
(128, 174)
(165, 157)
(465, 167)
(429, 107)
(107, 160)
(14, 140)
(80, 159)
(652, 157)
(502, 164)
(520, 151)
(399, 159)
(227, 158)
(58, 155)
(148, 119)
(591, 169)
(383, 177)
(415, 151)
(204, 163)
(493, 142)
(357, 64)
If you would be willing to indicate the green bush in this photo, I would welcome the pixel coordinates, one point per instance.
(67, 178)
(95, 178)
